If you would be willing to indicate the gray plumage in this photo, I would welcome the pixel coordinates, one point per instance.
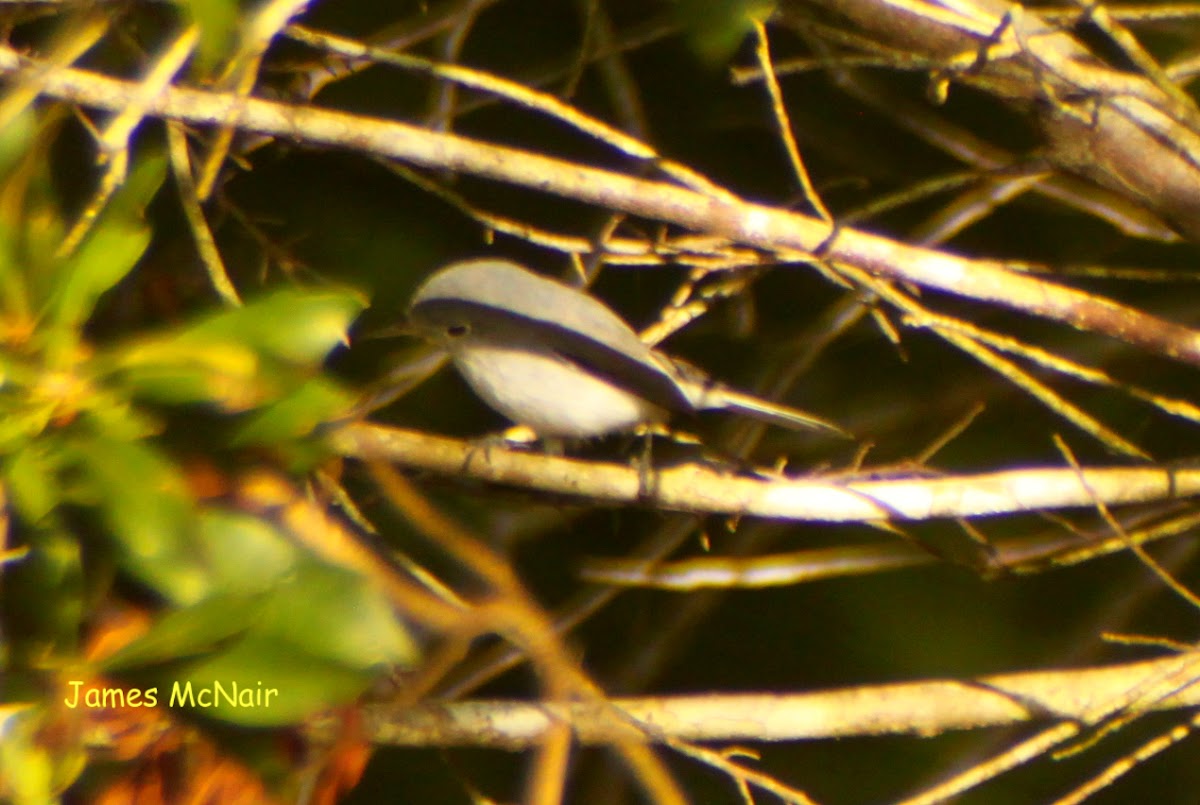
(559, 361)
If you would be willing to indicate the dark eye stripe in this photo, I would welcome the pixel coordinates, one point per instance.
(640, 372)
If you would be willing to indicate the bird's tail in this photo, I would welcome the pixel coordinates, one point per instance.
(726, 399)
(706, 395)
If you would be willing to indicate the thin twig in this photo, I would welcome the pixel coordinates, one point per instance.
(763, 226)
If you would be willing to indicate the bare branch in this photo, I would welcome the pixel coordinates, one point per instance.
(1086, 696)
(755, 224)
(699, 489)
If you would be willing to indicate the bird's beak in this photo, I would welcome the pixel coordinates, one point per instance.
(401, 330)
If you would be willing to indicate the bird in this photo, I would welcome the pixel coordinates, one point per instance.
(562, 363)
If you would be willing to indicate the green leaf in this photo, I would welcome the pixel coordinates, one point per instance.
(197, 631)
(715, 28)
(285, 685)
(32, 480)
(31, 221)
(240, 358)
(317, 638)
(15, 140)
(218, 21)
(179, 370)
(145, 502)
(298, 414)
(246, 554)
(322, 639)
(112, 248)
(331, 613)
(295, 325)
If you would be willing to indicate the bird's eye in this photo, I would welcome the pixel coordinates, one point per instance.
(457, 330)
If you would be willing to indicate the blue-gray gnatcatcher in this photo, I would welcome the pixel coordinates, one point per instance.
(559, 361)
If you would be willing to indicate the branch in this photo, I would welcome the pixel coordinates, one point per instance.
(700, 489)
(1086, 696)
(755, 224)
(1135, 135)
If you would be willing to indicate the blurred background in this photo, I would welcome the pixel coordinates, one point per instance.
(355, 235)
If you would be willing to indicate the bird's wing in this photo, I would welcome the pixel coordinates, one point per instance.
(517, 306)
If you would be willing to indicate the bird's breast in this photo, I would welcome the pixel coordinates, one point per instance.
(550, 394)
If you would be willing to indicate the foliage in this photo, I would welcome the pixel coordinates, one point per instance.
(101, 486)
(965, 232)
